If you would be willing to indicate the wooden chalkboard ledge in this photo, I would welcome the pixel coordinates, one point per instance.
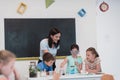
(36, 58)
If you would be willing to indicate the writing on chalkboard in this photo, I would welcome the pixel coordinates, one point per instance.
(23, 36)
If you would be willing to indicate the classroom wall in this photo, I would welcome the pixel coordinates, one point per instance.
(85, 26)
(108, 39)
(97, 29)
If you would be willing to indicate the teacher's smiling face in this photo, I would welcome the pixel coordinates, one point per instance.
(56, 37)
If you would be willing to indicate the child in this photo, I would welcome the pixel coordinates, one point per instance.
(46, 64)
(74, 62)
(92, 61)
(7, 60)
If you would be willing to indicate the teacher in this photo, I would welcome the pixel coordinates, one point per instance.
(50, 44)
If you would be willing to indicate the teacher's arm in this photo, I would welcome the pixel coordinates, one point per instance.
(45, 51)
(44, 46)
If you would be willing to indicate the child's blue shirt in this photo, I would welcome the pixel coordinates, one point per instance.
(42, 66)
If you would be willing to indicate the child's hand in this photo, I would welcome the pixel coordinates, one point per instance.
(61, 66)
(76, 63)
(17, 75)
(56, 76)
(3, 78)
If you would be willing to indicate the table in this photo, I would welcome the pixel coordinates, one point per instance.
(72, 77)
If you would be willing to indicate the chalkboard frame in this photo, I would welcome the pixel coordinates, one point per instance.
(69, 22)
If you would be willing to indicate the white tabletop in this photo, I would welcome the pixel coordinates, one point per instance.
(71, 76)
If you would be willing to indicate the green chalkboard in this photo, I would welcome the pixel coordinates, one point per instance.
(23, 36)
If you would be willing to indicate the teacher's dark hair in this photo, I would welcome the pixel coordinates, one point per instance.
(53, 32)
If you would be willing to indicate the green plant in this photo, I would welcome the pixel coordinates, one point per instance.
(32, 72)
(38, 69)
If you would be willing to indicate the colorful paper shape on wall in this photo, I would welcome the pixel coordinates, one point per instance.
(82, 12)
(104, 6)
(49, 2)
(21, 8)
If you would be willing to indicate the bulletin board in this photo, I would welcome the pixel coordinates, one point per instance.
(23, 36)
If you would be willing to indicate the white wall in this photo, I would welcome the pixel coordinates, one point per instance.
(108, 45)
(85, 26)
